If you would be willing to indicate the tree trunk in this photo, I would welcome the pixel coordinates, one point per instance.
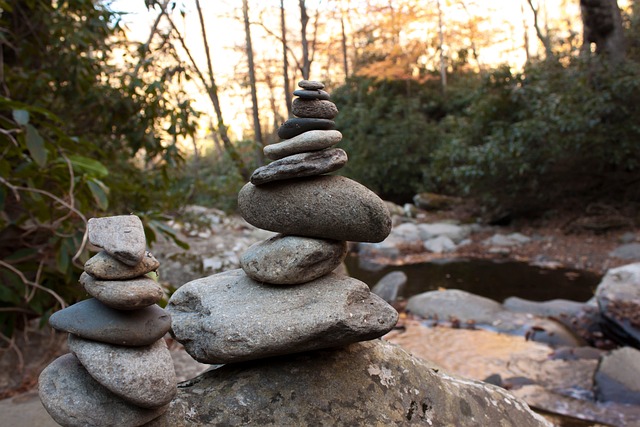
(602, 25)
(257, 131)
(543, 37)
(285, 60)
(443, 64)
(344, 48)
(304, 20)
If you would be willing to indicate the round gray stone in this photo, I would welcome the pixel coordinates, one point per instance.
(312, 140)
(229, 317)
(123, 294)
(104, 266)
(289, 260)
(73, 398)
(329, 207)
(310, 84)
(365, 384)
(320, 109)
(296, 126)
(121, 236)
(93, 320)
(301, 165)
(143, 376)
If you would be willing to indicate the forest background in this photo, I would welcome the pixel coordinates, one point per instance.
(93, 123)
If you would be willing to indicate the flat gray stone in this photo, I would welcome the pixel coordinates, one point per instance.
(618, 297)
(390, 286)
(629, 251)
(365, 384)
(123, 294)
(325, 206)
(104, 266)
(456, 233)
(121, 236)
(93, 320)
(143, 376)
(310, 84)
(312, 140)
(320, 109)
(290, 260)
(312, 94)
(618, 376)
(301, 165)
(439, 245)
(73, 398)
(553, 308)
(295, 126)
(229, 317)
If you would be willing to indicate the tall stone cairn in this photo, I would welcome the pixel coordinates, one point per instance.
(286, 298)
(119, 371)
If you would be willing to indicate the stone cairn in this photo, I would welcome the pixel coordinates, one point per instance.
(119, 371)
(286, 298)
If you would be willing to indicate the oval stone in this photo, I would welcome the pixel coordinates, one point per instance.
(312, 140)
(310, 84)
(314, 108)
(325, 206)
(95, 321)
(296, 126)
(301, 165)
(289, 260)
(123, 294)
(104, 266)
(143, 376)
(312, 94)
(229, 317)
(73, 398)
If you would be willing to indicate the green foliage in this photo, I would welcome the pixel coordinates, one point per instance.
(82, 135)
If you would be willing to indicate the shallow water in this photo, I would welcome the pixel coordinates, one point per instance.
(492, 279)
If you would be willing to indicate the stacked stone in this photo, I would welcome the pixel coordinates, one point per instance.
(119, 371)
(286, 298)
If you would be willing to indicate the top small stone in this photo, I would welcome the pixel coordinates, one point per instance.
(122, 237)
(310, 84)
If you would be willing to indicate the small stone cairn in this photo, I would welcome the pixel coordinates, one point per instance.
(286, 298)
(119, 371)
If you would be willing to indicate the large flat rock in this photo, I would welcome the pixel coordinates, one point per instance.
(365, 384)
(229, 317)
(330, 207)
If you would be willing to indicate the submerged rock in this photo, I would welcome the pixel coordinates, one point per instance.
(229, 317)
(372, 383)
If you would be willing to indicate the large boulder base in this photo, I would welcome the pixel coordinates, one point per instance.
(229, 317)
(329, 207)
(372, 383)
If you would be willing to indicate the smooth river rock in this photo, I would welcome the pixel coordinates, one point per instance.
(330, 207)
(301, 165)
(104, 266)
(121, 236)
(123, 294)
(93, 320)
(314, 108)
(143, 376)
(289, 260)
(312, 94)
(372, 383)
(312, 140)
(229, 317)
(310, 84)
(618, 296)
(73, 398)
(296, 126)
(618, 376)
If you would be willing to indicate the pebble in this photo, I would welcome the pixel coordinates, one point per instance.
(123, 294)
(314, 108)
(143, 376)
(229, 317)
(310, 84)
(312, 140)
(288, 260)
(301, 165)
(104, 266)
(121, 236)
(93, 320)
(73, 398)
(325, 206)
(312, 94)
(296, 126)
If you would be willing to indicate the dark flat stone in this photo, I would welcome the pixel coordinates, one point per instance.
(312, 94)
(93, 320)
(296, 126)
(310, 84)
(314, 108)
(301, 165)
